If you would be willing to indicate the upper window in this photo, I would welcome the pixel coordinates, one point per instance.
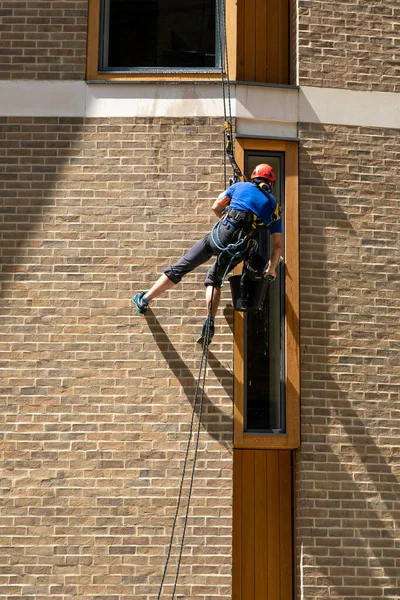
(184, 39)
(159, 35)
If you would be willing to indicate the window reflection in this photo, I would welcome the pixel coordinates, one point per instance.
(264, 332)
(159, 34)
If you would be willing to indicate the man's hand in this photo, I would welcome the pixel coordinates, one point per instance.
(269, 272)
(220, 204)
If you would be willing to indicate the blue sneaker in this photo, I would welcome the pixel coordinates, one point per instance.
(211, 331)
(141, 307)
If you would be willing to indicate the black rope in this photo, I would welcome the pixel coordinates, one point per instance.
(200, 378)
(228, 86)
(205, 354)
(229, 144)
(220, 22)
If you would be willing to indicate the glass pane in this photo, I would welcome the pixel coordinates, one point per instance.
(264, 333)
(159, 34)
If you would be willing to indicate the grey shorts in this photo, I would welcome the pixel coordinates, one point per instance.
(203, 250)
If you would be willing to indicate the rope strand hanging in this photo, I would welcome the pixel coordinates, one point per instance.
(229, 146)
(201, 379)
(200, 385)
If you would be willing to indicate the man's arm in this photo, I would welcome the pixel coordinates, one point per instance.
(220, 204)
(276, 241)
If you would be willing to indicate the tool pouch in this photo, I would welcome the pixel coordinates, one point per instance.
(249, 289)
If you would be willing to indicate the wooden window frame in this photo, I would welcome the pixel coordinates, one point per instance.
(291, 439)
(93, 51)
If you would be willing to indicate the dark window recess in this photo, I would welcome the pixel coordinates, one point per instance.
(264, 334)
(159, 34)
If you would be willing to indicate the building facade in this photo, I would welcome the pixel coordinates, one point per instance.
(108, 172)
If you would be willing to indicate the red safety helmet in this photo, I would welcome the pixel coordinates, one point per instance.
(265, 172)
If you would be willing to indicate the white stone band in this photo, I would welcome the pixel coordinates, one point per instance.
(261, 110)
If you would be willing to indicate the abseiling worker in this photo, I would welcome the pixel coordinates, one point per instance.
(238, 208)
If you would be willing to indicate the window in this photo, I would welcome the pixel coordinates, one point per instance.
(264, 336)
(266, 353)
(159, 34)
(179, 40)
(136, 37)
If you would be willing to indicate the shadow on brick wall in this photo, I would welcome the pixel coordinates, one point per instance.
(217, 424)
(34, 155)
(347, 520)
(80, 206)
(348, 487)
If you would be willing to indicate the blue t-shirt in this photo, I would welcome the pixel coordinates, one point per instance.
(247, 196)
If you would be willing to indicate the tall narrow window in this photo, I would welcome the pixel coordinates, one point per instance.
(266, 342)
(160, 35)
(265, 332)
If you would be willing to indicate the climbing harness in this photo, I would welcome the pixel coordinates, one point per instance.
(244, 248)
(249, 289)
(235, 252)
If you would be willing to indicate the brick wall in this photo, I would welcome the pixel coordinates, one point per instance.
(350, 44)
(348, 481)
(43, 39)
(96, 400)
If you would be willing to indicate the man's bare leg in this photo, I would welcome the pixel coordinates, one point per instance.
(215, 294)
(159, 287)
(142, 299)
(212, 294)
